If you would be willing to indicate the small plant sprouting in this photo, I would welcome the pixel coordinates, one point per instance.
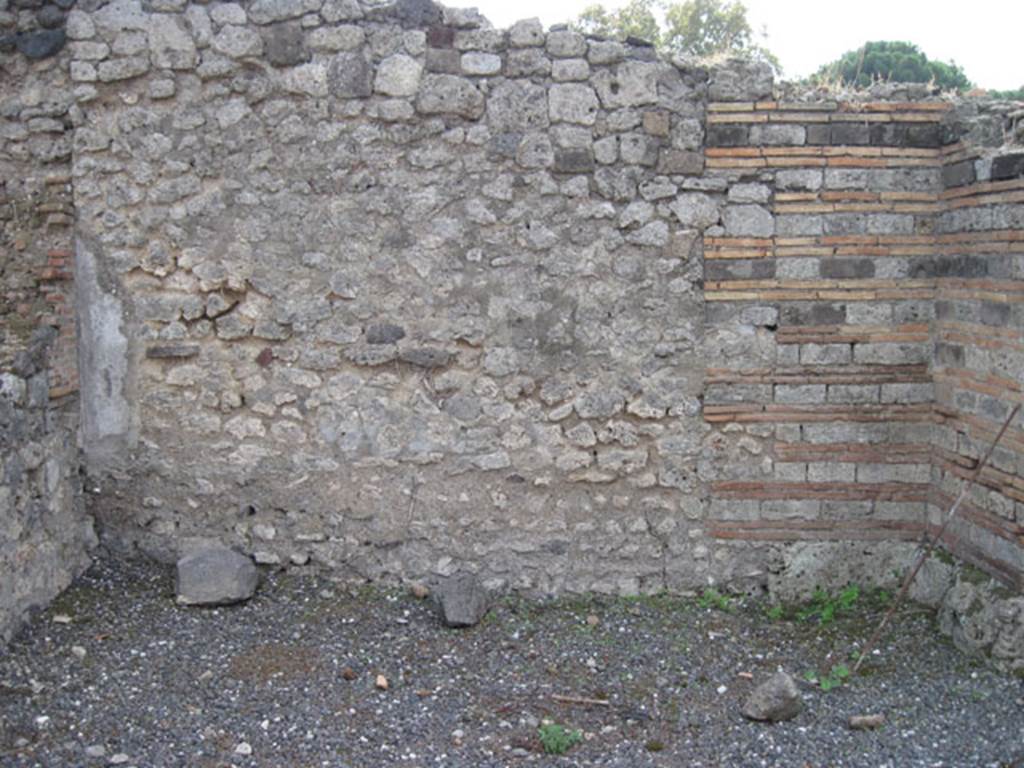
(824, 607)
(557, 739)
(712, 598)
(775, 613)
(838, 675)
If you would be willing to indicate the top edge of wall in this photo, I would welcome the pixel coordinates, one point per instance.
(39, 29)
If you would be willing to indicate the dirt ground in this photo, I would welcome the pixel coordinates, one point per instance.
(115, 673)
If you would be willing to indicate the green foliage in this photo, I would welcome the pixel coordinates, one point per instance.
(895, 62)
(635, 19)
(825, 607)
(712, 598)
(1015, 95)
(836, 676)
(557, 739)
(699, 28)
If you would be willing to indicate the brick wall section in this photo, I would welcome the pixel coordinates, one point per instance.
(979, 355)
(842, 244)
(45, 533)
(834, 281)
(35, 249)
(36, 231)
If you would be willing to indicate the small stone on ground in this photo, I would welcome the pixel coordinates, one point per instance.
(866, 722)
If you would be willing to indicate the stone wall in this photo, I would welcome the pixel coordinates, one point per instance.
(377, 288)
(44, 532)
(399, 294)
(978, 370)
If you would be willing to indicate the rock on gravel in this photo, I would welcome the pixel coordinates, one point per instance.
(419, 591)
(774, 700)
(172, 687)
(215, 575)
(866, 722)
(461, 600)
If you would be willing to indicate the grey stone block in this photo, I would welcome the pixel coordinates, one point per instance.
(574, 161)
(215, 575)
(853, 393)
(797, 394)
(825, 354)
(778, 135)
(737, 269)
(350, 76)
(443, 60)
(748, 221)
(728, 135)
(695, 209)
(924, 136)
(774, 700)
(739, 80)
(414, 14)
(802, 179)
(42, 44)
(958, 174)
(847, 268)
(284, 45)
(850, 133)
(1008, 166)
(819, 134)
(680, 162)
(384, 333)
(461, 600)
(888, 135)
(813, 313)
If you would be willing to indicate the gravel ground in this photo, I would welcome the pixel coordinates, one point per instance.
(289, 680)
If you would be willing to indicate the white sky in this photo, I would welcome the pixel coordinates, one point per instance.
(985, 37)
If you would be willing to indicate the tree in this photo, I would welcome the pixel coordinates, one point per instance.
(893, 61)
(635, 19)
(700, 28)
(1016, 95)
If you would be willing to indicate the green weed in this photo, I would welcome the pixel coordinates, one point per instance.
(825, 607)
(836, 676)
(712, 598)
(557, 739)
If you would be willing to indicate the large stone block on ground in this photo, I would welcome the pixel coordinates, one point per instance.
(774, 700)
(215, 575)
(461, 600)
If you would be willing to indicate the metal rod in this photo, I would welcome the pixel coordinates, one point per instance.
(930, 545)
